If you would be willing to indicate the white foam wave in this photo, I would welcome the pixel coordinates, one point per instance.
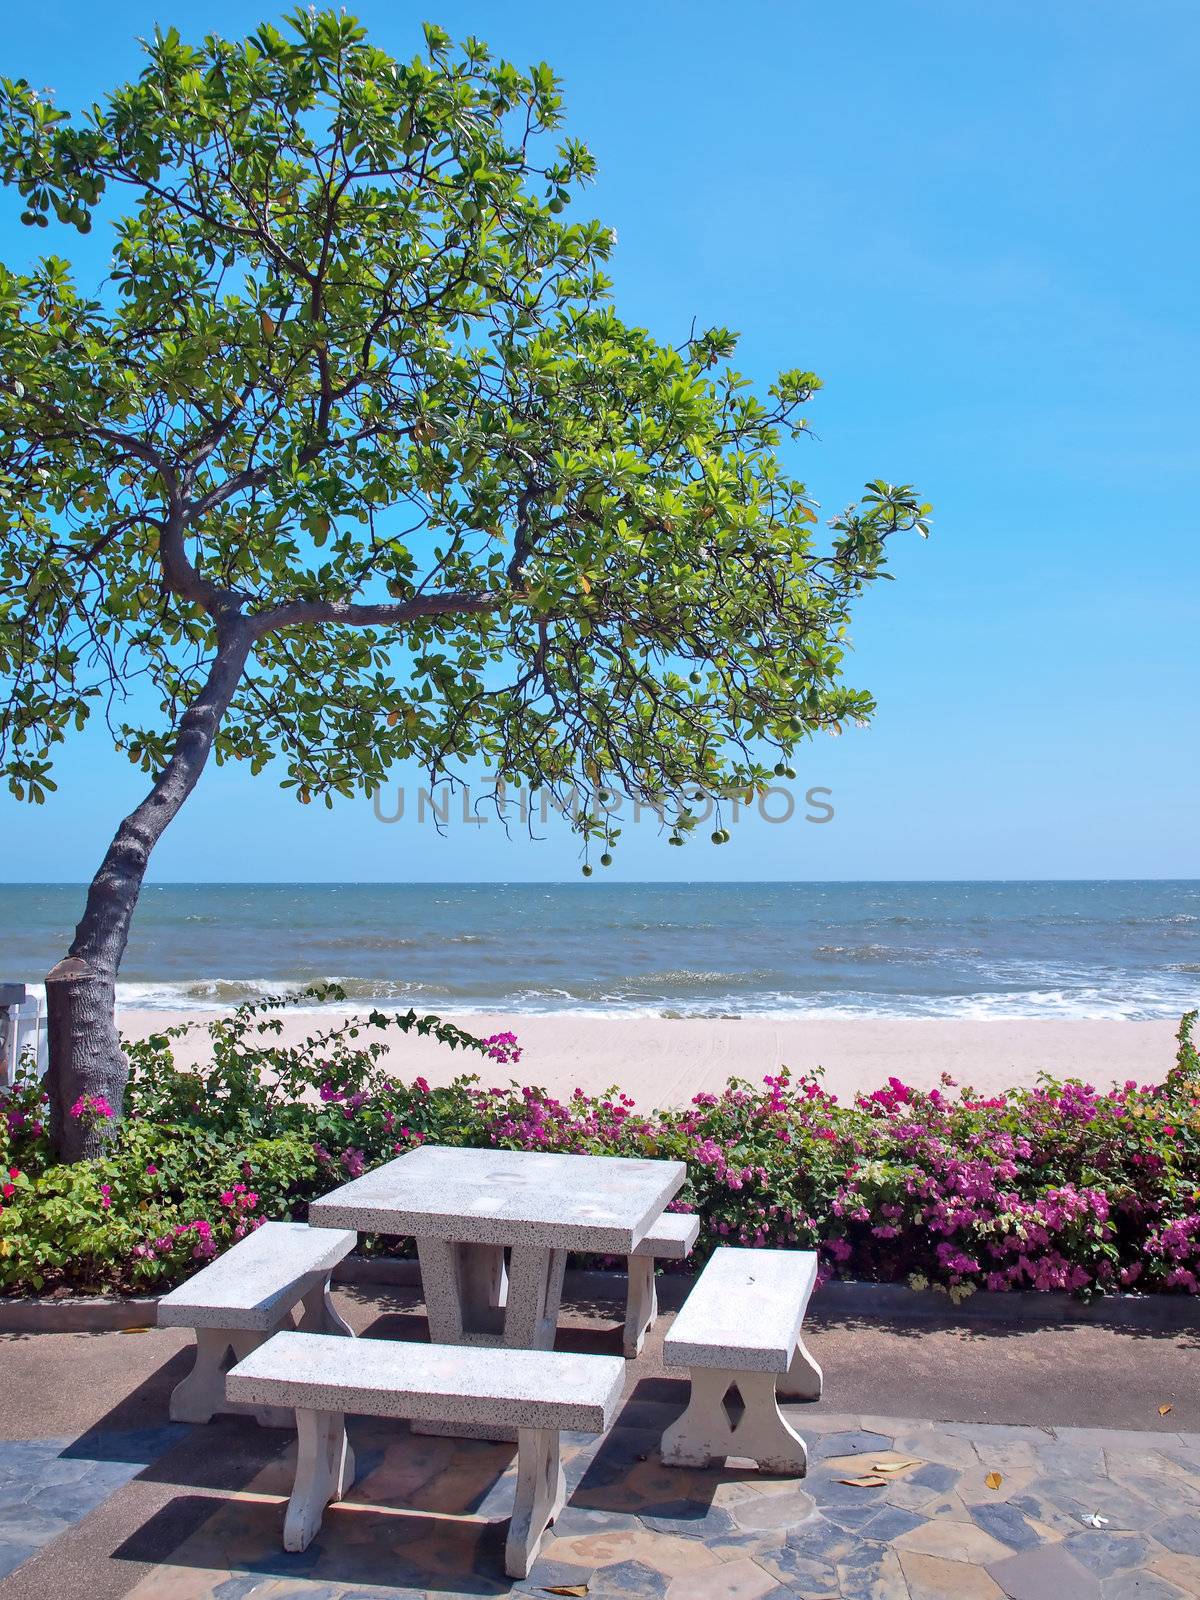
(1081, 1003)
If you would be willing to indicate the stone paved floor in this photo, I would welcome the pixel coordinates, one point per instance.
(99, 1500)
(46, 1485)
(426, 1518)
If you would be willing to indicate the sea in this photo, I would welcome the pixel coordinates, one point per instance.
(1112, 949)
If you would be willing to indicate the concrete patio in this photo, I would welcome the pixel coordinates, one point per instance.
(100, 1497)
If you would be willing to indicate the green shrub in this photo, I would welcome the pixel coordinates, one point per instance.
(1060, 1187)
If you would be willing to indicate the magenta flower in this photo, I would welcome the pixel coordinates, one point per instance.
(503, 1047)
(92, 1107)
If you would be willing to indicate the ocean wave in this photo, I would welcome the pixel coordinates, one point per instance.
(900, 921)
(665, 925)
(1065, 1004)
(892, 955)
(850, 950)
(207, 994)
(371, 941)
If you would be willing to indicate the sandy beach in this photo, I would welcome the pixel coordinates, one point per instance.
(662, 1061)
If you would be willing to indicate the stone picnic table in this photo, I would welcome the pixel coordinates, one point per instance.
(464, 1208)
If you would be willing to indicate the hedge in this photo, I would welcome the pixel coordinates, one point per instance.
(1058, 1187)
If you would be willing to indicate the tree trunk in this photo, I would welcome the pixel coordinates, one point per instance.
(85, 1052)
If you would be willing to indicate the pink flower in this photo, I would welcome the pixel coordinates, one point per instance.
(92, 1106)
(503, 1047)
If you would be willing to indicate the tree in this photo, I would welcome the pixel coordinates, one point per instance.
(349, 460)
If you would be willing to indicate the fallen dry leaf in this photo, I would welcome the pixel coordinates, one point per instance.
(135, 1330)
(1163, 1410)
(893, 1466)
(993, 1480)
(874, 1481)
(566, 1588)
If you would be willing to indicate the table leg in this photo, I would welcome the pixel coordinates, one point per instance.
(469, 1300)
(535, 1283)
(641, 1305)
(462, 1285)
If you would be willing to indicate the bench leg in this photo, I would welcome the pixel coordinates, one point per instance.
(324, 1472)
(641, 1304)
(320, 1315)
(541, 1495)
(704, 1433)
(803, 1379)
(201, 1394)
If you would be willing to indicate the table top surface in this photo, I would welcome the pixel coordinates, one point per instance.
(604, 1204)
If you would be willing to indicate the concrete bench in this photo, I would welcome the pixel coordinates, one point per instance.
(538, 1392)
(739, 1330)
(672, 1238)
(245, 1296)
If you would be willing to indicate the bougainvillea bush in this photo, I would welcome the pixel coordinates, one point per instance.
(1060, 1187)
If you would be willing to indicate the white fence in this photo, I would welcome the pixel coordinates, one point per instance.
(22, 1031)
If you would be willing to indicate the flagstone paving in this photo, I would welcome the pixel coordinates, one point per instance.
(1075, 1513)
(115, 1504)
(46, 1485)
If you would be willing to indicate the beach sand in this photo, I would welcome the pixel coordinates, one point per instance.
(662, 1061)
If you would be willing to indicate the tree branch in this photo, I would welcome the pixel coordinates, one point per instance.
(309, 613)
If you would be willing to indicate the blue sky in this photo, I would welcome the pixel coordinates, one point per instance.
(978, 224)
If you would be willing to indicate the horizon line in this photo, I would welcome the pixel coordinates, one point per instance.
(566, 883)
